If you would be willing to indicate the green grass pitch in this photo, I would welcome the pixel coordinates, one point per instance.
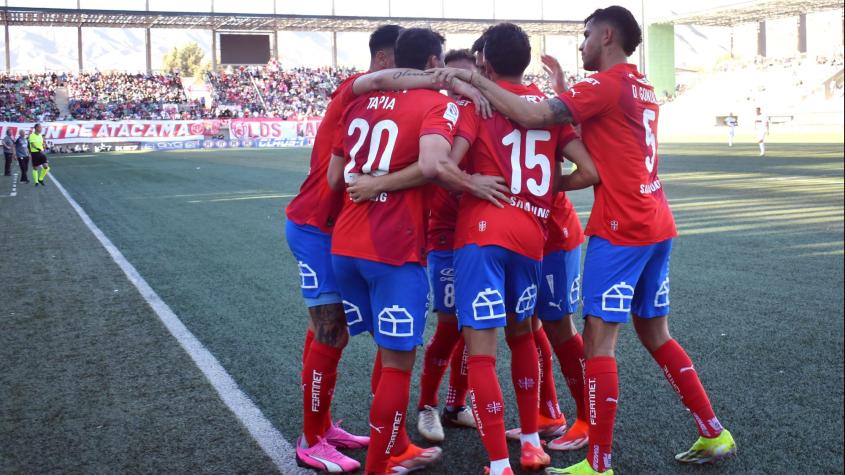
(92, 382)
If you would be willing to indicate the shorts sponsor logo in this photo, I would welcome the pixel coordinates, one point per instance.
(307, 276)
(617, 298)
(575, 291)
(661, 299)
(353, 313)
(528, 300)
(395, 321)
(447, 274)
(550, 279)
(488, 305)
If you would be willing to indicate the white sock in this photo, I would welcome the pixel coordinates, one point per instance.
(533, 439)
(762, 148)
(497, 467)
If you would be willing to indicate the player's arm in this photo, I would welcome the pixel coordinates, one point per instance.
(406, 79)
(437, 163)
(335, 172)
(528, 114)
(584, 175)
(366, 187)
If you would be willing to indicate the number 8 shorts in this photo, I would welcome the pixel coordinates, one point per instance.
(390, 302)
(441, 273)
(491, 282)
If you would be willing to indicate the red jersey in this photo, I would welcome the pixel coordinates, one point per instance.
(618, 113)
(564, 227)
(527, 160)
(316, 204)
(382, 133)
(442, 202)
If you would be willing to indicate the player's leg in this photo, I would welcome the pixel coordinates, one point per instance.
(480, 302)
(322, 352)
(611, 274)
(398, 322)
(565, 267)
(761, 141)
(456, 413)
(522, 286)
(651, 310)
(439, 349)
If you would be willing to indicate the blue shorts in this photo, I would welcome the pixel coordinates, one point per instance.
(491, 282)
(312, 250)
(619, 280)
(560, 285)
(441, 273)
(390, 302)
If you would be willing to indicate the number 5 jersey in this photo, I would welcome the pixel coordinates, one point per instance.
(618, 113)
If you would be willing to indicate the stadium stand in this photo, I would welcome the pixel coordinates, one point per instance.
(29, 97)
(98, 96)
(271, 91)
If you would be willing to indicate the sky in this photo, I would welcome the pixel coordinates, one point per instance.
(43, 48)
(499, 9)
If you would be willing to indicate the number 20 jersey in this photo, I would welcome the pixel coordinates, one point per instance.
(618, 113)
(527, 160)
(381, 134)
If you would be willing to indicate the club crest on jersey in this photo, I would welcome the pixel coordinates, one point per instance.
(452, 113)
(482, 226)
(614, 225)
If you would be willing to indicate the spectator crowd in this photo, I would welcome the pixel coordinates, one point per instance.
(111, 96)
(28, 97)
(270, 91)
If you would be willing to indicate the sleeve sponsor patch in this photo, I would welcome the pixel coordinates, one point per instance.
(452, 113)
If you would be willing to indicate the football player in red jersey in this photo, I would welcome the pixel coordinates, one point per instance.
(310, 218)
(631, 228)
(498, 250)
(378, 245)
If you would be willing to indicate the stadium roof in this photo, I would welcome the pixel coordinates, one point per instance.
(23, 16)
(753, 12)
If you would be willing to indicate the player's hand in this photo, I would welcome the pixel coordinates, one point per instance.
(364, 188)
(555, 72)
(490, 188)
(446, 75)
(482, 105)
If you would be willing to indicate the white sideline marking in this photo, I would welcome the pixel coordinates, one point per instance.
(268, 437)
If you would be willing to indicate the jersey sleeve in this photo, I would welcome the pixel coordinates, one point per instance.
(590, 97)
(468, 122)
(441, 119)
(567, 134)
(335, 112)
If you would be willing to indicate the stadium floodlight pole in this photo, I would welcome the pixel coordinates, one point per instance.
(6, 44)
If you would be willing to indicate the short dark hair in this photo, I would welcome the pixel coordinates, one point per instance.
(384, 37)
(478, 45)
(623, 21)
(507, 49)
(415, 45)
(458, 55)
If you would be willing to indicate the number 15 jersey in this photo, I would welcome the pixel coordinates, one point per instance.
(381, 134)
(527, 160)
